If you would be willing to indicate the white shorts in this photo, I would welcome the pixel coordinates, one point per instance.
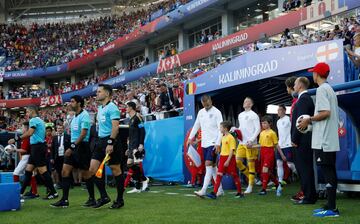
(20, 168)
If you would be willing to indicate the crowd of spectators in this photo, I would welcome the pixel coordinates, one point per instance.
(154, 95)
(43, 45)
(24, 92)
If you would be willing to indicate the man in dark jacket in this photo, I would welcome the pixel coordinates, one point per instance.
(60, 143)
(166, 98)
(302, 142)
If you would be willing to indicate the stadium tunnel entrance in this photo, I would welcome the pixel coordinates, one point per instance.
(270, 91)
(231, 82)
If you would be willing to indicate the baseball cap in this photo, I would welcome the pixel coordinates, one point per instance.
(322, 69)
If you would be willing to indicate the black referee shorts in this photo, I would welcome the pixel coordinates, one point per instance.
(325, 158)
(38, 155)
(80, 157)
(100, 152)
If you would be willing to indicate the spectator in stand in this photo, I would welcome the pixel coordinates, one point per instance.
(166, 98)
(354, 54)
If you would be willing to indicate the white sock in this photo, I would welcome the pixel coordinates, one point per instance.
(214, 177)
(291, 165)
(280, 169)
(207, 179)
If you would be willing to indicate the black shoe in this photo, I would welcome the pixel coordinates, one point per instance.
(60, 204)
(239, 195)
(117, 205)
(211, 195)
(101, 202)
(263, 192)
(51, 196)
(30, 195)
(90, 203)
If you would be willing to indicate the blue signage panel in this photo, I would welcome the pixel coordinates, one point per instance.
(164, 149)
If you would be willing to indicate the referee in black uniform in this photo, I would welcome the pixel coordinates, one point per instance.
(108, 117)
(136, 145)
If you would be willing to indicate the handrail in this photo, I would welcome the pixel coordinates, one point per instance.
(340, 87)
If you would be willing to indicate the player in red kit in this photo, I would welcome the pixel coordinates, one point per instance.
(227, 162)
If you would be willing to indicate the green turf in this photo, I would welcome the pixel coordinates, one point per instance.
(159, 207)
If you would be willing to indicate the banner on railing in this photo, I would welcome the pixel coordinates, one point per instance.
(50, 101)
(19, 102)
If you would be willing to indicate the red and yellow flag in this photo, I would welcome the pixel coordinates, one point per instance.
(99, 172)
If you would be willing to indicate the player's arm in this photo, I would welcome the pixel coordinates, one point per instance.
(256, 123)
(219, 119)
(194, 130)
(323, 103)
(82, 136)
(115, 128)
(232, 150)
(141, 133)
(280, 152)
(28, 133)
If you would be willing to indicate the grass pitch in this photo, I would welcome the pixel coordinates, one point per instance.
(176, 204)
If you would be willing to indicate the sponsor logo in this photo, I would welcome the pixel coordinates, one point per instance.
(189, 117)
(196, 4)
(119, 79)
(231, 41)
(17, 74)
(247, 72)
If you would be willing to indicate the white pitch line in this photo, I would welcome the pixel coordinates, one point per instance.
(171, 193)
(189, 195)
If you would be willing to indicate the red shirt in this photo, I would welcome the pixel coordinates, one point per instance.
(25, 145)
(48, 140)
(292, 106)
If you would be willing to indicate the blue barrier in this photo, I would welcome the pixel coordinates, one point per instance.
(164, 149)
(6, 177)
(10, 196)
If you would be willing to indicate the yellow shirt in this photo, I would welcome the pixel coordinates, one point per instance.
(228, 143)
(268, 138)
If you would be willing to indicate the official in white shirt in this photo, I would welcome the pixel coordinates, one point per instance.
(284, 149)
(208, 120)
(249, 125)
